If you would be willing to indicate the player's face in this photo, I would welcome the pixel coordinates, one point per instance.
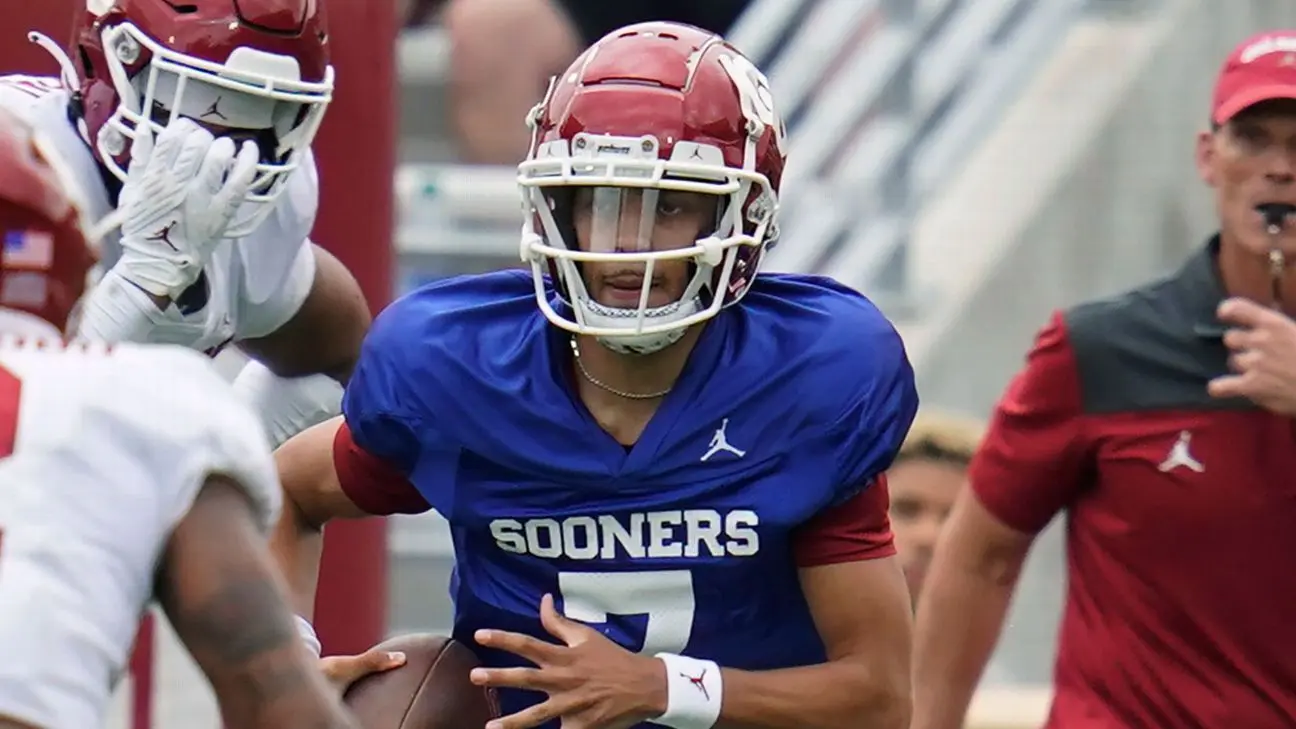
(1251, 161)
(922, 494)
(619, 220)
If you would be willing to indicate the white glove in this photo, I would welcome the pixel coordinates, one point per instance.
(180, 195)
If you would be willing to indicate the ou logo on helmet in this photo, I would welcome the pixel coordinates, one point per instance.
(754, 91)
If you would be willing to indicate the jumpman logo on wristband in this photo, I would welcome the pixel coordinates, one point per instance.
(698, 683)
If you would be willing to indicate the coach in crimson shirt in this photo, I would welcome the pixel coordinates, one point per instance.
(1161, 422)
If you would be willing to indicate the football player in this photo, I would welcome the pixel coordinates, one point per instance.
(664, 483)
(127, 474)
(189, 126)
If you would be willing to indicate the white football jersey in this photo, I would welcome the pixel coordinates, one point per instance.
(102, 452)
(256, 283)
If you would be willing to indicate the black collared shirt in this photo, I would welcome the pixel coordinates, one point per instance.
(1181, 510)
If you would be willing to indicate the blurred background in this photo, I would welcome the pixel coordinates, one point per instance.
(971, 165)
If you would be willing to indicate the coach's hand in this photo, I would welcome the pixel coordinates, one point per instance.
(342, 671)
(1262, 344)
(591, 681)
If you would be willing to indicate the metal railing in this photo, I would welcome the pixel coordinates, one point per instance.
(911, 88)
(883, 99)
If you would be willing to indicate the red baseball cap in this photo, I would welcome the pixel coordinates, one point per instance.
(1261, 68)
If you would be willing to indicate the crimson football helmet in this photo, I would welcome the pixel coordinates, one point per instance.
(650, 108)
(250, 69)
(47, 254)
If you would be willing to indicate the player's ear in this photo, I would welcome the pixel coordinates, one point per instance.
(1206, 154)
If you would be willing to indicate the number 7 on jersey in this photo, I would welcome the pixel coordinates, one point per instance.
(665, 596)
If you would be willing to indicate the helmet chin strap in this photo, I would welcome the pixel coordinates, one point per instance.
(638, 344)
(1275, 215)
(71, 81)
(67, 69)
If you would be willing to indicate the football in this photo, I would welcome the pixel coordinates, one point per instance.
(431, 691)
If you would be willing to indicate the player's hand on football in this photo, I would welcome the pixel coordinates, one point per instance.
(591, 681)
(181, 192)
(342, 671)
(1262, 346)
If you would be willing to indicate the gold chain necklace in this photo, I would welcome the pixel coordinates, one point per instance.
(603, 386)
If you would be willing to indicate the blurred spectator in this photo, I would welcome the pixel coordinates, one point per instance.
(1160, 421)
(594, 19)
(924, 480)
(503, 52)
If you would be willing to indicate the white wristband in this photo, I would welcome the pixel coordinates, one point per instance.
(308, 636)
(693, 693)
(117, 311)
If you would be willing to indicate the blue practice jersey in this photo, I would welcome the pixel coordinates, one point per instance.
(791, 402)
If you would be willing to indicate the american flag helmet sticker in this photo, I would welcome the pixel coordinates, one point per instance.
(28, 249)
